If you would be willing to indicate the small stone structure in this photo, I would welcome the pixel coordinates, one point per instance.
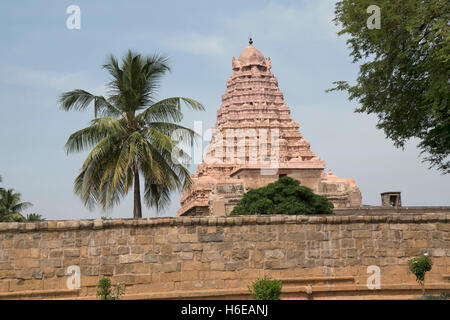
(254, 142)
(391, 199)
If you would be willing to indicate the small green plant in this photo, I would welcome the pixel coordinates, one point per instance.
(420, 266)
(265, 289)
(105, 291)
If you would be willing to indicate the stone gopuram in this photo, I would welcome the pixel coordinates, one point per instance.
(254, 142)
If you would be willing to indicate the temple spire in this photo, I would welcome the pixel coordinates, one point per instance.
(255, 141)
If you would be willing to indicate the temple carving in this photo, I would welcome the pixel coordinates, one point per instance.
(254, 142)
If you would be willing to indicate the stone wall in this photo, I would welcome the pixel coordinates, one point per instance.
(193, 257)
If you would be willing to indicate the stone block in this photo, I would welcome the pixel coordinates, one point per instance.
(240, 254)
(197, 247)
(90, 270)
(191, 266)
(52, 263)
(234, 266)
(348, 243)
(110, 260)
(5, 274)
(131, 258)
(274, 254)
(72, 253)
(91, 280)
(358, 234)
(211, 237)
(106, 270)
(150, 258)
(54, 284)
(56, 253)
(211, 256)
(160, 239)
(170, 276)
(186, 255)
(4, 286)
(170, 267)
(26, 264)
(166, 249)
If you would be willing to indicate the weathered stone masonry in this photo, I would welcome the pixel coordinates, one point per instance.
(217, 257)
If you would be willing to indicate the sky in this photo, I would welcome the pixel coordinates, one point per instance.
(40, 58)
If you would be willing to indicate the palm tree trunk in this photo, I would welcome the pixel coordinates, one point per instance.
(137, 212)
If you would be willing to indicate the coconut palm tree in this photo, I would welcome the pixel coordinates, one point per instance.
(10, 206)
(135, 136)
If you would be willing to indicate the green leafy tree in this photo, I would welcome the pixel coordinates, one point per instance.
(10, 206)
(284, 196)
(419, 267)
(404, 72)
(266, 289)
(136, 135)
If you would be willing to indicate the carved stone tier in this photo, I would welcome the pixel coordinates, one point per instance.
(254, 141)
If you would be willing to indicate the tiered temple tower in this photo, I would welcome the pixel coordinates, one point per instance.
(254, 142)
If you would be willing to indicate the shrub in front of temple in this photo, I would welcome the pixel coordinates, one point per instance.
(284, 196)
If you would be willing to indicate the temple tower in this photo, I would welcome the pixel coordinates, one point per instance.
(254, 142)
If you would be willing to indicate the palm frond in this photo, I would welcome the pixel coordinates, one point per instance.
(168, 110)
(88, 182)
(176, 132)
(90, 136)
(21, 206)
(79, 100)
(165, 177)
(12, 217)
(10, 205)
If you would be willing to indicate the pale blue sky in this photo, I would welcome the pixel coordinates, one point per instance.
(41, 58)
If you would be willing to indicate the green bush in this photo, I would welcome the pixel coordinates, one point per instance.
(105, 291)
(420, 266)
(265, 289)
(34, 217)
(284, 196)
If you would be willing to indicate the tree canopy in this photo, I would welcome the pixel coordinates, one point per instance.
(11, 207)
(284, 196)
(404, 71)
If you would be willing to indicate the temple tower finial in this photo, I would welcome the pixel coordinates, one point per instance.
(250, 40)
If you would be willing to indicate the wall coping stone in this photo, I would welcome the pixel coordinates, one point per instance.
(58, 225)
(379, 210)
